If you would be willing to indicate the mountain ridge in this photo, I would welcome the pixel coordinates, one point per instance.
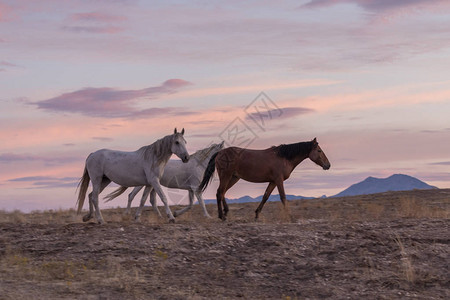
(395, 182)
(246, 198)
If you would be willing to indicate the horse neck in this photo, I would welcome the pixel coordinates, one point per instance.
(298, 159)
(160, 149)
(202, 157)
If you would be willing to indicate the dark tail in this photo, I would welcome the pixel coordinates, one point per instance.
(83, 185)
(209, 171)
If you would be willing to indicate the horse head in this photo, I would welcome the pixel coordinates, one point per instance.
(318, 156)
(179, 145)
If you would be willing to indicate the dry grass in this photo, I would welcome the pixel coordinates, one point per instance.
(407, 267)
(412, 204)
(411, 207)
(68, 275)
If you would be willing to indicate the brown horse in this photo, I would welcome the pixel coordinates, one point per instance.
(273, 165)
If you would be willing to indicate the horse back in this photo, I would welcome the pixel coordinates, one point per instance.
(249, 164)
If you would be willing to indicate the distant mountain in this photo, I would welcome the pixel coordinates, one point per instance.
(396, 182)
(245, 199)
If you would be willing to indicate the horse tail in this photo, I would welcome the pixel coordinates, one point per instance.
(209, 171)
(115, 193)
(83, 186)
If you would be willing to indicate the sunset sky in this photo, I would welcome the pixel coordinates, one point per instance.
(370, 79)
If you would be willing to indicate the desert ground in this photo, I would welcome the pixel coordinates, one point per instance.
(383, 246)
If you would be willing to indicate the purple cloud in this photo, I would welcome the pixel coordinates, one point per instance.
(283, 113)
(110, 102)
(376, 5)
(47, 182)
(440, 163)
(94, 22)
(14, 158)
(102, 139)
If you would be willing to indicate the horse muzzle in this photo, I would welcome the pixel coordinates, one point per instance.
(327, 167)
(185, 158)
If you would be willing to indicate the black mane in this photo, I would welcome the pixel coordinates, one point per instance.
(290, 151)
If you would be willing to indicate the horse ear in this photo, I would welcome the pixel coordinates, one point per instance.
(175, 131)
(314, 141)
(182, 131)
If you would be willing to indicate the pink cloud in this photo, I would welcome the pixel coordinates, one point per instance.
(7, 64)
(93, 29)
(110, 102)
(4, 11)
(96, 17)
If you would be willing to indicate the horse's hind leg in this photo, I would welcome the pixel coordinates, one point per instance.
(232, 182)
(147, 190)
(178, 213)
(96, 190)
(219, 196)
(88, 216)
(224, 186)
(266, 196)
(199, 196)
(131, 197)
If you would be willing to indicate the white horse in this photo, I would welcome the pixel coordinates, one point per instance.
(142, 167)
(178, 176)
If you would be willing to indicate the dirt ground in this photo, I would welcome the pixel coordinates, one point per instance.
(383, 246)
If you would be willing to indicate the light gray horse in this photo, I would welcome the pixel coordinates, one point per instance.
(178, 176)
(142, 167)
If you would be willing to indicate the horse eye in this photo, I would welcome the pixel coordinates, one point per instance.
(320, 151)
(177, 142)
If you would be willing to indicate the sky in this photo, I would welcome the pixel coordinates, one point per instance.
(370, 79)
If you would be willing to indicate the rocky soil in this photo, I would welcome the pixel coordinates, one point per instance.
(383, 246)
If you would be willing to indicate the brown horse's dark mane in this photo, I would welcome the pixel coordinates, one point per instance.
(290, 151)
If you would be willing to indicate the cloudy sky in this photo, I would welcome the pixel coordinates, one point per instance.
(370, 79)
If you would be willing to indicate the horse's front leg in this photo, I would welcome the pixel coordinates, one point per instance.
(280, 187)
(158, 190)
(178, 213)
(147, 190)
(153, 202)
(266, 196)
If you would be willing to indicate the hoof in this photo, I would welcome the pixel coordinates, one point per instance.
(171, 220)
(86, 218)
(175, 214)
